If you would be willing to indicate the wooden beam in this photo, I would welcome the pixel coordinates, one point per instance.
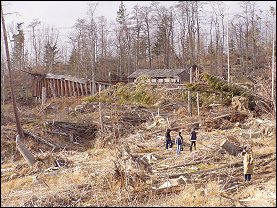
(86, 88)
(34, 86)
(66, 88)
(53, 88)
(74, 89)
(48, 93)
(42, 82)
(82, 90)
(39, 88)
(70, 88)
(61, 87)
(58, 88)
(92, 88)
(77, 88)
(43, 95)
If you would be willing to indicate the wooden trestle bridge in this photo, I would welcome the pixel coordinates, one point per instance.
(64, 86)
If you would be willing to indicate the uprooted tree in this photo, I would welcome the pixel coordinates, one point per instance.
(227, 91)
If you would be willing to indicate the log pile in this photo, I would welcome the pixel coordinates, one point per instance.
(76, 129)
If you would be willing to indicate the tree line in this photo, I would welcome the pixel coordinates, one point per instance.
(189, 33)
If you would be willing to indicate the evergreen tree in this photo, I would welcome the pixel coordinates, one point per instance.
(50, 55)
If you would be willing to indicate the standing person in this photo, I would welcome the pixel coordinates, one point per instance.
(179, 143)
(168, 141)
(247, 162)
(192, 139)
(182, 141)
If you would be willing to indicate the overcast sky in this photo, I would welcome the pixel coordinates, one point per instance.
(64, 13)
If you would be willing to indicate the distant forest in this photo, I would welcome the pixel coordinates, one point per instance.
(150, 37)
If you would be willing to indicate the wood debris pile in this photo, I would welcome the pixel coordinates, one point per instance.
(131, 169)
(76, 129)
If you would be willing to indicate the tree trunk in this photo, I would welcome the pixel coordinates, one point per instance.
(273, 71)
(18, 125)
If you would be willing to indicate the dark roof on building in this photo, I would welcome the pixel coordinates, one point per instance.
(159, 73)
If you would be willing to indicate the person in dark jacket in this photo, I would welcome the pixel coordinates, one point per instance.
(168, 141)
(192, 139)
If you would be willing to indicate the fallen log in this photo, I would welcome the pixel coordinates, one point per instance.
(236, 164)
(57, 133)
(191, 125)
(182, 165)
(222, 116)
(40, 139)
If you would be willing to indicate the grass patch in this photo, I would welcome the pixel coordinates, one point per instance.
(16, 185)
(207, 195)
(205, 166)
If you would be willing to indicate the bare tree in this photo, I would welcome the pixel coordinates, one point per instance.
(102, 22)
(137, 29)
(33, 25)
(165, 26)
(93, 42)
(146, 16)
(3, 71)
(18, 124)
(123, 37)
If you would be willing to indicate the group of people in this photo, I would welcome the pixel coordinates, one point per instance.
(247, 152)
(179, 141)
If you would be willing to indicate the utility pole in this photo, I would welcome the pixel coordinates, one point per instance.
(100, 109)
(273, 67)
(189, 93)
(228, 57)
(18, 125)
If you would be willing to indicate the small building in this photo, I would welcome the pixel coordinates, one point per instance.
(177, 76)
(64, 86)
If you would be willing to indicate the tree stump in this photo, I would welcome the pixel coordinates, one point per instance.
(231, 148)
(28, 156)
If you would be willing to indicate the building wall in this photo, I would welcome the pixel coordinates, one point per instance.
(184, 76)
(175, 79)
(65, 88)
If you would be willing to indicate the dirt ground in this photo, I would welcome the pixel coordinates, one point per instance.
(128, 165)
